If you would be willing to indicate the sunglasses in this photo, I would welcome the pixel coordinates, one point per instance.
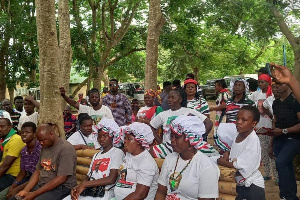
(110, 85)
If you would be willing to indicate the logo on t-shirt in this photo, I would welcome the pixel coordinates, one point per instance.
(100, 164)
(122, 183)
(172, 197)
(47, 165)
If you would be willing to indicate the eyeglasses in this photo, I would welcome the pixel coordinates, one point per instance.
(110, 85)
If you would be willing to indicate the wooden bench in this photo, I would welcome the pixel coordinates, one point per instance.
(227, 185)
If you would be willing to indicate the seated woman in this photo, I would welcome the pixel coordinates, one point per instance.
(187, 173)
(146, 113)
(139, 171)
(104, 166)
(84, 138)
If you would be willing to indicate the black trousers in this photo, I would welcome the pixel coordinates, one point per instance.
(250, 193)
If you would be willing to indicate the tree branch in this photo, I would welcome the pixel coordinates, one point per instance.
(119, 57)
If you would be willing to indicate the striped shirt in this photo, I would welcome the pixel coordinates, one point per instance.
(29, 161)
(15, 116)
(200, 105)
(232, 108)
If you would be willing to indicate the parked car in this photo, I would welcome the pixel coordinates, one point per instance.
(208, 90)
(132, 90)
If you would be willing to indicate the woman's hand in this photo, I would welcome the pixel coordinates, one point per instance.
(76, 191)
(281, 73)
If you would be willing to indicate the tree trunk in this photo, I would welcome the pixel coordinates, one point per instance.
(297, 63)
(49, 60)
(156, 21)
(65, 44)
(196, 72)
(97, 78)
(105, 79)
(2, 76)
(11, 93)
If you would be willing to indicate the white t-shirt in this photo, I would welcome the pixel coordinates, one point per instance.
(28, 118)
(139, 169)
(142, 111)
(248, 156)
(259, 97)
(165, 118)
(96, 115)
(199, 179)
(91, 140)
(268, 103)
(100, 166)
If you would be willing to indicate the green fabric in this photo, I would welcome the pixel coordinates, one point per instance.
(7, 138)
(158, 110)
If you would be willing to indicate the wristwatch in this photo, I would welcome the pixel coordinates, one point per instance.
(285, 131)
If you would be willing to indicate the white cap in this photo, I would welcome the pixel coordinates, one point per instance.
(4, 114)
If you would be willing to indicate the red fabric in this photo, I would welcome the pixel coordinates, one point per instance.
(151, 112)
(267, 78)
(224, 90)
(190, 81)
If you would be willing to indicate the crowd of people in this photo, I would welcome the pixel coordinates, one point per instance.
(261, 126)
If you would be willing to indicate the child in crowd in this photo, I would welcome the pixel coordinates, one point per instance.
(245, 156)
(135, 110)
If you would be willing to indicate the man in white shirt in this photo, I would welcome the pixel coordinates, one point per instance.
(97, 111)
(30, 114)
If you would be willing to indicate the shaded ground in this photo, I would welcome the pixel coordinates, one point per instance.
(272, 190)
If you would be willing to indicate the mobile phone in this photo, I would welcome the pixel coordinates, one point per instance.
(268, 68)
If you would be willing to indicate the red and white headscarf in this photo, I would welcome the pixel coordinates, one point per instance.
(267, 78)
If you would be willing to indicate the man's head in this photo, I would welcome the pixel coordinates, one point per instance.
(281, 88)
(6, 105)
(5, 127)
(190, 76)
(46, 135)
(27, 132)
(113, 85)
(262, 70)
(176, 83)
(167, 86)
(19, 103)
(94, 97)
(67, 110)
(29, 107)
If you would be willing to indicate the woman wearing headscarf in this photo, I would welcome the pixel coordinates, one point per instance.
(150, 110)
(265, 85)
(239, 88)
(104, 166)
(138, 173)
(193, 99)
(187, 173)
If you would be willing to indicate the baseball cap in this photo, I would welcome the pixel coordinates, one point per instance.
(4, 114)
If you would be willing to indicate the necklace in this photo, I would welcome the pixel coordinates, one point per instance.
(174, 182)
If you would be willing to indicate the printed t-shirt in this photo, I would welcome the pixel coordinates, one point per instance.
(165, 118)
(139, 169)
(232, 108)
(222, 97)
(91, 140)
(96, 115)
(199, 179)
(248, 156)
(13, 148)
(259, 97)
(28, 118)
(29, 160)
(142, 112)
(58, 160)
(200, 105)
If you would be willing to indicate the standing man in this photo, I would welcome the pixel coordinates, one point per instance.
(19, 103)
(55, 173)
(118, 104)
(97, 111)
(167, 85)
(286, 142)
(15, 116)
(12, 145)
(30, 114)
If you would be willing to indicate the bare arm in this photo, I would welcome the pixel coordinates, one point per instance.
(221, 107)
(33, 181)
(161, 192)
(68, 99)
(34, 102)
(140, 193)
(208, 125)
(6, 164)
(22, 174)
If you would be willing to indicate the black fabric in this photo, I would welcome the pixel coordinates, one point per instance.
(250, 193)
(286, 115)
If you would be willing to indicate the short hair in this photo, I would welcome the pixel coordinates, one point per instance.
(115, 80)
(167, 83)
(29, 124)
(93, 90)
(191, 75)
(82, 117)
(221, 82)
(253, 84)
(18, 97)
(253, 110)
(263, 70)
(176, 82)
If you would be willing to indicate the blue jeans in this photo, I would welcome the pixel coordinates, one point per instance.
(285, 151)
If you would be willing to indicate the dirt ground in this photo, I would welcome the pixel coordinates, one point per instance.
(272, 190)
